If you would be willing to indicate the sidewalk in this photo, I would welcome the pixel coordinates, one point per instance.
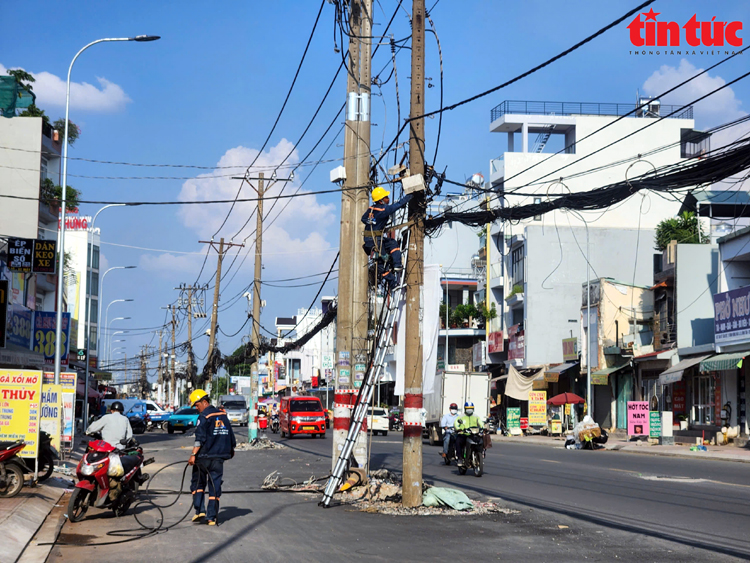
(23, 515)
(719, 453)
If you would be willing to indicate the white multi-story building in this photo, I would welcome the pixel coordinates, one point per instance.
(538, 264)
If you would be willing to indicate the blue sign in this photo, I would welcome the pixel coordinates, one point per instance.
(732, 316)
(44, 335)
(19, 326)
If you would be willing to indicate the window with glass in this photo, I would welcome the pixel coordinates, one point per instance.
(94, 310)
(516, 258)
(704, 388)
(92, 339)
(94, 289)
(94, 257)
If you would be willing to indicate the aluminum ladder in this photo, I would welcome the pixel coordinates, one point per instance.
(374, 372)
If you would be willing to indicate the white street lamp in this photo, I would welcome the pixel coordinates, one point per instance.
(61, 247)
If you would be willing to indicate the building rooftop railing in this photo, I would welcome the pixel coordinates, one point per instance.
(586, 108)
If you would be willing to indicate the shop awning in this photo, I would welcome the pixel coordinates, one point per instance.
(674, 374)
(561, 368)
(724, 361)
(609, 370)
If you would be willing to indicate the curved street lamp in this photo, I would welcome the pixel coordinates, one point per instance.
(64, 183)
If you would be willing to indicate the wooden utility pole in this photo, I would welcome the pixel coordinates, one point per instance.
(412, 478)
(252, 427)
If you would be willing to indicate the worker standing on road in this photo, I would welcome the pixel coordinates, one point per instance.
(376, 219)
(214, 443)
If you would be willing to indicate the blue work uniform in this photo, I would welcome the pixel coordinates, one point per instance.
(214, 436)
(376, 220)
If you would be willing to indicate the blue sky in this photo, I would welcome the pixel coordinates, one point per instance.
(207, 94)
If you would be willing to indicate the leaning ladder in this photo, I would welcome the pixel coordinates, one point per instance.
(373, 375)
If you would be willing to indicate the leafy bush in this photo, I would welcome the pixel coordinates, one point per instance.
(686, 228)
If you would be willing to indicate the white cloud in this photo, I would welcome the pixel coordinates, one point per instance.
(718, 108)
(294, 240)
(50, 91)
(169, 265)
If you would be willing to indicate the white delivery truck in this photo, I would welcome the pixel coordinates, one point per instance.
(455, 386)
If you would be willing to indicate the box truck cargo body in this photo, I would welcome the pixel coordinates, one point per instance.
(455, 387)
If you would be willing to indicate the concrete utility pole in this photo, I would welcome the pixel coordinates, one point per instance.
(173, 387)
(352, 320)
(190, 330)
(160, 380)
(252, 427)
(412, 478)
(215, 308)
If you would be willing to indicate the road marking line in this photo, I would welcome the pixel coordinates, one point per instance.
(550, 461)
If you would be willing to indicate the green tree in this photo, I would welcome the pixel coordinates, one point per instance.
(23, 78)
(239, 363)
(34, 111)
(52, 194)
(73, 130)
(685, 229)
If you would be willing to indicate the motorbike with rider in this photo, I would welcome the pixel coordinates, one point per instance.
(447, 423)
(470, 441)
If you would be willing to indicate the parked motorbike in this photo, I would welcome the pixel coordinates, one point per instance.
(275, 424)
(11, 468)
(47, 456)
(492, 424)
(107, 478)
(473, 455)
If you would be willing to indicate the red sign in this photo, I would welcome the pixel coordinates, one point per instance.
(314, 380)
(652, 33)
(717, 398)
(679, 397)
(515, 343)
(495, 344)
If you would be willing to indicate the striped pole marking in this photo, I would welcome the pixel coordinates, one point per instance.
(412, 415)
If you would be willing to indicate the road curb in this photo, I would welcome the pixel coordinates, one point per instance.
(644, 450)
(38, 549)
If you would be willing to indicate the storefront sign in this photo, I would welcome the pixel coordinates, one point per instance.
(551, 376)
(570, 349)
(478, 356)
(717, 398)
(539, 384)
(556, 427)
(679, 397)
(495, 343)
(460, 368)
(76, 222)
(538, 408)
(599, 379)
(3, 312)
(654, 424)
(44, 259)
(513, 417)
(20, 403)
(638, 418)
(19, 326)
(732, 316)
(20, 253)
(44, 335)
(516, 343)
(327, 361)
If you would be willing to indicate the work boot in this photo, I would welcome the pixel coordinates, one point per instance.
(212, 522)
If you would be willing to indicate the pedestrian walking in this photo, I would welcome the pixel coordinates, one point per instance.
(214, 444)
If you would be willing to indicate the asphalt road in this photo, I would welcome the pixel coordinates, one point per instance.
(573, 505)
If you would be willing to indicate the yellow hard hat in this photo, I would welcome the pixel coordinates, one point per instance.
(379, 193)
(196, 396)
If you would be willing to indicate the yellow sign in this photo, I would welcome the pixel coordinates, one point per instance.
(20, 403)
(67, 397)
(51, 419)
(556, 427)
(599, 379)
(537, 408)
(567, 409)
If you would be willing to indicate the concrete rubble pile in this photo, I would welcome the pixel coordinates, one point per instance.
(259, 444)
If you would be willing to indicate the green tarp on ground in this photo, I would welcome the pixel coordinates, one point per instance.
(447, 498)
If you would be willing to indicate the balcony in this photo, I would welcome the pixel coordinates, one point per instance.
(517, 107)
(496, 275)
(497, 169)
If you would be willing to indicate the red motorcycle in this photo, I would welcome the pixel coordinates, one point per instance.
(11, 468)
(107, 478)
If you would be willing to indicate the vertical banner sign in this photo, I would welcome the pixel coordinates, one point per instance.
(513, 417)
(654, 424)
(638, 418)
(68, 383)
(20, 403)
(51, 416)
(538, 408)
(44, 335)
(3, 311)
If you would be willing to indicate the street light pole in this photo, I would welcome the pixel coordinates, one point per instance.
(101, 295)
(87, 338)
(61, 247)
(109, 354)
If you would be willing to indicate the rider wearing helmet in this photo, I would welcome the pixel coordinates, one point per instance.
(462, 426)
(114, 427)
(446, 423)
(376, 219)
(214, 443)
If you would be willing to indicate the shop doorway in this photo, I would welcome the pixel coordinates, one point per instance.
(704, 390)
